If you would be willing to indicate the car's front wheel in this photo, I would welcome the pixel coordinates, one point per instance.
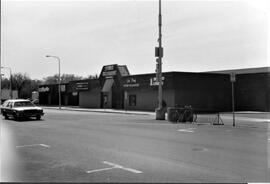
(5, 115)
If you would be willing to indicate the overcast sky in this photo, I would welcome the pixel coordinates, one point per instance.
(197, 35)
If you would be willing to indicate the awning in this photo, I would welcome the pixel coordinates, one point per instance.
(107, 85)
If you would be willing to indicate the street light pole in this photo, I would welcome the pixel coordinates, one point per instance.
(59, 79)
(233, 79)
(160, 113)
(0, 85)
(160, 59)
(10, 81)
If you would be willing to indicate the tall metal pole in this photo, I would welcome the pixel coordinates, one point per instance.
(59, 83)
(233, 79)
(10, 83)
(160, 111)
(160, 59)
(233, 103)
(59, 80)
(0, 85)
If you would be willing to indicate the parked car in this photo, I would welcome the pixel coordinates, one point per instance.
(20, 108)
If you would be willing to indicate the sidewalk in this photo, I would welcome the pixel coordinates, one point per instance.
(72, 108)
(249, 120)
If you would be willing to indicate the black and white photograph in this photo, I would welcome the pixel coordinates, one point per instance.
(135, 91)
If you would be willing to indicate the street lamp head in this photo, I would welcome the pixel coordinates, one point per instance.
(48, 56)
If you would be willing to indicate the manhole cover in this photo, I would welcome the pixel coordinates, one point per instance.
(198, 149)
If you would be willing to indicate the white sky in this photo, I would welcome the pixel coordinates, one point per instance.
(197, 35)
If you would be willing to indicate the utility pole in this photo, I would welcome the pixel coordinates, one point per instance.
(160, 114)
(0, 84)
(59, 80)
(233, 79)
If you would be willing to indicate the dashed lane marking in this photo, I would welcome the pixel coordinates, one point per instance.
(190, 130)
(33, 145)
(98, 170)
(114, 166)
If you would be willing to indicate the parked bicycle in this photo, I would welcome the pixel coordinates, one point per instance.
(186, 114)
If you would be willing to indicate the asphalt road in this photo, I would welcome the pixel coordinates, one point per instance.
(68, 146)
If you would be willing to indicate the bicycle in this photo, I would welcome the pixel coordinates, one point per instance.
(176, 116)
(183, 115)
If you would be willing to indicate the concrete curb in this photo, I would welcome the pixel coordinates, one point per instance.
(98, 111)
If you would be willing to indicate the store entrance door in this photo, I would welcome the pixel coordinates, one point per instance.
(106, 100)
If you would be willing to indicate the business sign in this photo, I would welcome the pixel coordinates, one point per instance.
(63, 88)
(43, 89)
(154, 82)
(108, 71)
(131, 82)
(109, 68)
(82, 86)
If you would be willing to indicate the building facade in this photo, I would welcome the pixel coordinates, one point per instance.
(205, 92)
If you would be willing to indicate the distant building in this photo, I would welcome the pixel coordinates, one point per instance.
(205, 91)
(5, 94)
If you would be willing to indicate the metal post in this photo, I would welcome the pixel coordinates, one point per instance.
(160, 113)
(233, 103)
(0, 85)
(10, 83)
(59, 83)
(59, 80)
(160, 59)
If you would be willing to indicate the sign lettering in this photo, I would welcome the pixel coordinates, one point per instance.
(154, 82)
(108, 73)
(43, 89)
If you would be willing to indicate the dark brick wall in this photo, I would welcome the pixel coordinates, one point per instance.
(252, 92)
(203, 91)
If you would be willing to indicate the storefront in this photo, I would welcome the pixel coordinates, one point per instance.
(117, 89)
(204, 92)
(49, 94)
(112, 95)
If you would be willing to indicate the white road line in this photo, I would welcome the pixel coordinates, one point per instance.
(45, 145)
(114, 166)
(190, 130)
(98, 170)
(122, 167)
(32, 145)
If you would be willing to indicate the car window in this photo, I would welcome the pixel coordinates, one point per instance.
(9, 104)
(5, 104)
(23, 104)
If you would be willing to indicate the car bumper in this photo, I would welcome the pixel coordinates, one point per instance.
(28, 115)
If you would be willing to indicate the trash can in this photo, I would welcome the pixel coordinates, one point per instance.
(160, 113)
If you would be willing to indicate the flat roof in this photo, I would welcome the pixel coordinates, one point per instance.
(243, 70)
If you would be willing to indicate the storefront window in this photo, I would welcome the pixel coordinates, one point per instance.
(132, 100)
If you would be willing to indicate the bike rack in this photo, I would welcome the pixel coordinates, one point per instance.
(218, 120)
